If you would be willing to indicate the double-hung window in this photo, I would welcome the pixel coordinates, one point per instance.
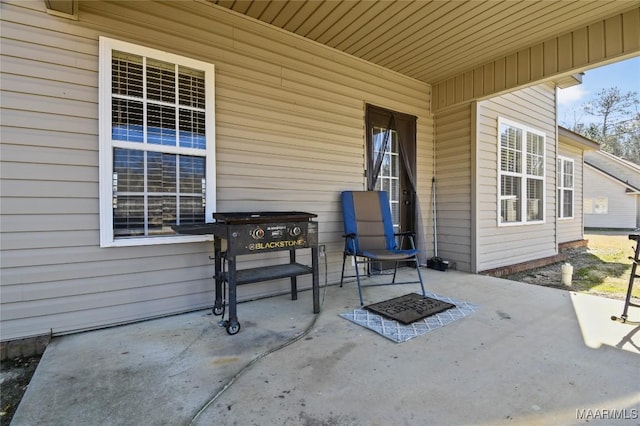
(565, 188)
(157, 146)
(521, 180)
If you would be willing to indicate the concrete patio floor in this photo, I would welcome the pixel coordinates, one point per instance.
(529, 355)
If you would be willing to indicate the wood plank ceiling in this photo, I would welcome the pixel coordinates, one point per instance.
(429, 40)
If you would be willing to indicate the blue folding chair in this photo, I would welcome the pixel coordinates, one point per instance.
(369, 235)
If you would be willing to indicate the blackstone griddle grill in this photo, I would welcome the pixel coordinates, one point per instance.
(253, 233)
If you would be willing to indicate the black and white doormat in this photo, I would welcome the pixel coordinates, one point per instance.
(398, 332)
(409, 308)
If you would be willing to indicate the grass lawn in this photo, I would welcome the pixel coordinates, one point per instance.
(605, 267)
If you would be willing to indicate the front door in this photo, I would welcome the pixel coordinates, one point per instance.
(391, 142)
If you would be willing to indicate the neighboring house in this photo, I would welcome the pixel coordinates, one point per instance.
(611, 193)
(120, 119)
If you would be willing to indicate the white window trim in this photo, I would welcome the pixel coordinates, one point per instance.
(523, 183)
(560, 175)
(107, 45)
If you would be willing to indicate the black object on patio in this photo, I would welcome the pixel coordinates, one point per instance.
(635, 261)
(253, 233)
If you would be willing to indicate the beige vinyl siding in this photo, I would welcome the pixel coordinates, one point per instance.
(572, 229)
(289, 136)
(425, 134)
(621, 206)
(454, 166)
(506, 245)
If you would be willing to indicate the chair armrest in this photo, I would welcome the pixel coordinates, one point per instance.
(408, 234)
(405, 234)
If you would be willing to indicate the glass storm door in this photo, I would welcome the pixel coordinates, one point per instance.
(389, 177)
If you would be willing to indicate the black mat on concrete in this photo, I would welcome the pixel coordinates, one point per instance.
(409, 308)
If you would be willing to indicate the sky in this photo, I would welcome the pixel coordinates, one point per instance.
(624, 74)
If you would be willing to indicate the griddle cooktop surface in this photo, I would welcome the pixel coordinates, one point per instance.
(262, 217)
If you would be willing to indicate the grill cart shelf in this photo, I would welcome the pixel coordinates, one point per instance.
(254, 233)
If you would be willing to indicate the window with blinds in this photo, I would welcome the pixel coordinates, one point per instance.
(565, 188)
(157, 143)
(521, 173)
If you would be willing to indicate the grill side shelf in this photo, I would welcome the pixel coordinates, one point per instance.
(266, 273)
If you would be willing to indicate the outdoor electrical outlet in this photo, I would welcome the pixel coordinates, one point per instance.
(321, 249)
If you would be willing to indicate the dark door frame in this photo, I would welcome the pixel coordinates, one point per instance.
(405, 126)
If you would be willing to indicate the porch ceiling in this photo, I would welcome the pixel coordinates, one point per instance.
(429, 40)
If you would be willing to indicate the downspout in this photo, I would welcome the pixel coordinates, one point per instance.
(475, 249)
(555, 175)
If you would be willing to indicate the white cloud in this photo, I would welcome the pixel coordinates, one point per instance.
(571, 95)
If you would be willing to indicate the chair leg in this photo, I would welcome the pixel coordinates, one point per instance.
(424, 294)
(344, 259)
(393, 281)
(355, 260)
